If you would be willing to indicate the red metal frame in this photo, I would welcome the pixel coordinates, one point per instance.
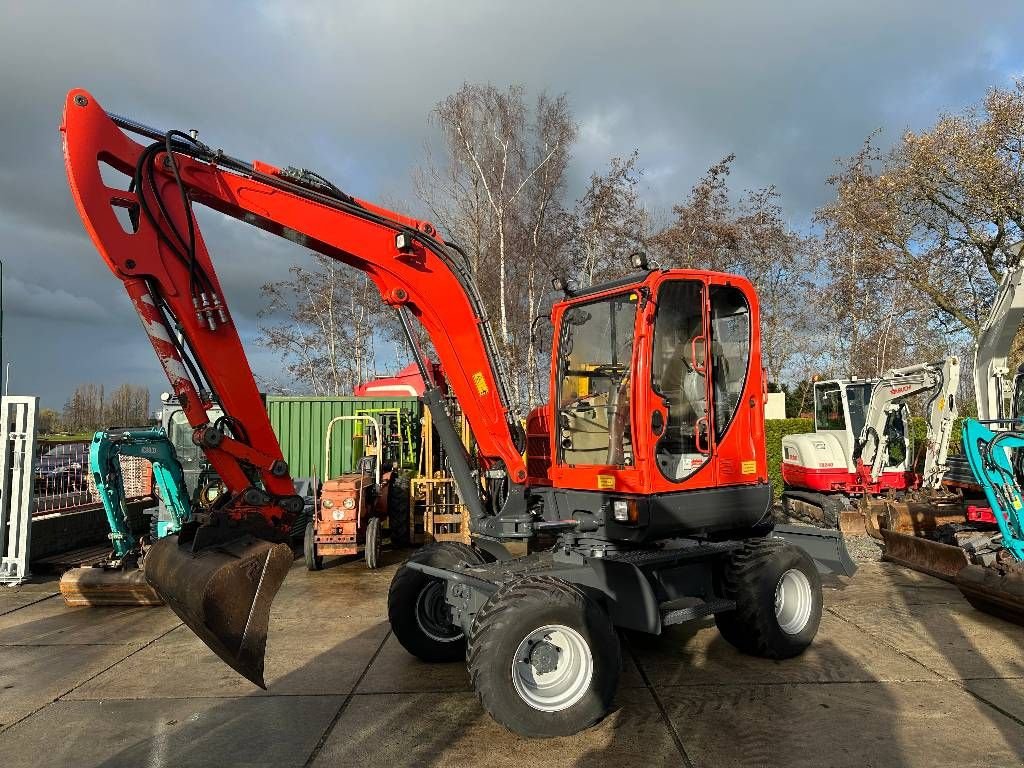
(417, 279)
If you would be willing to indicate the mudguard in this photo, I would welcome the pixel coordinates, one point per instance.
(827, 548)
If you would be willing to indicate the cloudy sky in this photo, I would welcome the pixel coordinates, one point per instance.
(346, 88)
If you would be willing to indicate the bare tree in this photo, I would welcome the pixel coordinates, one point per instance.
(325, 338)
(934, 215)
(128, 407)
(751, 238)
(499, 194)
(610, 222)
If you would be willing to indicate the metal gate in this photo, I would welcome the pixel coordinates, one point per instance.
(18, 439)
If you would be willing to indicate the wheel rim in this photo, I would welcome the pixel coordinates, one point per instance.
(552, 668)
(794, 601)
(433, 616)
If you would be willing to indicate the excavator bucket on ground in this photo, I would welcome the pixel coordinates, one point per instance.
(223, 594)
(994, 589)
(943, 561)
(100, 586)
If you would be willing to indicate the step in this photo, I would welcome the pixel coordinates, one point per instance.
(690, 613)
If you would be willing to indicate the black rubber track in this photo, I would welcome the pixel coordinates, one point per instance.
(511, 613)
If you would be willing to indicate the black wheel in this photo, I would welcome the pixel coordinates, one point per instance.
(544, 658)
(417, 608)
(399, 529)
(371, 551)
(314, 562)
(778, 599)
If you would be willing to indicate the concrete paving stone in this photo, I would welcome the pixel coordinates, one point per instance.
(451, 729)
(954, 640)
(13, 600)
(698, 655)
(857, 724)
(304, 656)
(342, 592)
(893, 586)
(32, 676)
(395, 670)
(52, 622)
(185, 733)
(1007, 695)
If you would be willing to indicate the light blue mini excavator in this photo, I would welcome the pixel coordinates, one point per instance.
(994, 579)
(119, 579)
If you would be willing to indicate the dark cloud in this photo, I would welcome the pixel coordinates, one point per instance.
(346, 88)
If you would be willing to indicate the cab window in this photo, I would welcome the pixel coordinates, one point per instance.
(730, 352)
(679, 377)
(594, 357)
(828, 407)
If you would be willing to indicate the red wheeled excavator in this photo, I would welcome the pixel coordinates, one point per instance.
(644, 498)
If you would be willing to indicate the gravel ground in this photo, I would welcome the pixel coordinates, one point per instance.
(864, 549)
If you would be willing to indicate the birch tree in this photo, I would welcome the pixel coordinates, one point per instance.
(321, 322)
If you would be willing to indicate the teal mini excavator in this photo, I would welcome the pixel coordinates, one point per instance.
(119, 579)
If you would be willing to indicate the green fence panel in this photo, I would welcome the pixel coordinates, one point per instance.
(300, 424)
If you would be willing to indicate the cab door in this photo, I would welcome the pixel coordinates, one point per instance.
(592, 385)
(705, 410)
(680, 397)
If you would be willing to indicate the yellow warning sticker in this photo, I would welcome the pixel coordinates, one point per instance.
(481, 384)
(1016, 503)
(606, 482)
(748, 467)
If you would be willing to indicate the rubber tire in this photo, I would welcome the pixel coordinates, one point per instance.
(750, 577)
(371, 550)
(314, 562)
(398, 509)
(506, 619)
(404, 594)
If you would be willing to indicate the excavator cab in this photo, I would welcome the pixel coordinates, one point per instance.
(657, 388)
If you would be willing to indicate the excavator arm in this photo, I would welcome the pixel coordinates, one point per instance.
(135, 199)
(889, 396)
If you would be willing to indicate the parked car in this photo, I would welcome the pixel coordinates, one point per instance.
(62, 469)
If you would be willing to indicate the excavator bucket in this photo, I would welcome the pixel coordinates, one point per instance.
(943, 561)
(99, 586)
(995, 590)
(223, 593)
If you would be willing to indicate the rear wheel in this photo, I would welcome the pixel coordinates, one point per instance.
(398, 510)
(371, 551)
(314, 562)
(417, 609)
(778, 599)
(544, 658)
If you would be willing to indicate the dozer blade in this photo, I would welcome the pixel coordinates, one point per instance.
(223, 594)
(98, 586)
(932, 557)
(1000, 593)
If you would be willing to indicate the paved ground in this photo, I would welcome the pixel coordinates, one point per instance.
(903, 673)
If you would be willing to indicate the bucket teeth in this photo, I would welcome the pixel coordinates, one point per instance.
(223, 594)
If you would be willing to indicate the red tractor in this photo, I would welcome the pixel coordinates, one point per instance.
(353, 507)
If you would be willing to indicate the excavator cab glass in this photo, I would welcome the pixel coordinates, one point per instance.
(828, 407)
(595, 358)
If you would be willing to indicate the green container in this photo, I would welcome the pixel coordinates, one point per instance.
(300, 424)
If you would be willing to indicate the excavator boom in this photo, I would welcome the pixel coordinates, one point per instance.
(221, 572)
